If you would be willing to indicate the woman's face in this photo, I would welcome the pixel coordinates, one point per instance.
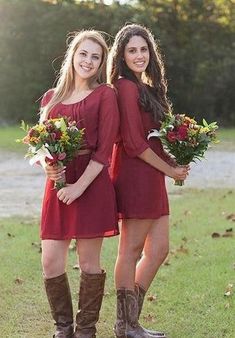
(87, 59)
(136, 55)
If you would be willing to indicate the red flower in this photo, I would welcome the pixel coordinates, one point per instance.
(58, 134)
(182, 133)
(33, 133)
(49, 126)
(171, 136)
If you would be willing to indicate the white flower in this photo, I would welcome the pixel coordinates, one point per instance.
(153, 133)
(40, 156)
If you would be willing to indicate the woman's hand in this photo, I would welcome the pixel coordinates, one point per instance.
(179, 172)
(54, 172)
(70, 193)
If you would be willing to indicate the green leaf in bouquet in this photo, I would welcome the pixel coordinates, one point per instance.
(205, 124)
(63, 125)
(24, 126)
(38, 146)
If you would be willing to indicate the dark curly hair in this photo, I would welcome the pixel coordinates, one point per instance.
(153, 97)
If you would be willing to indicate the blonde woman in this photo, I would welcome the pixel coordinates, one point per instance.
(85, 209)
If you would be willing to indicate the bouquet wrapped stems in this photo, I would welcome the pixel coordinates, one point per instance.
(179, 183)
(62, 182)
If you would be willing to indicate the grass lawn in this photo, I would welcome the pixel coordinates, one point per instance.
(8, 135)
(189, 288)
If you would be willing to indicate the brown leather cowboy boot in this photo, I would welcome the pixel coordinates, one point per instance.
(140, 292)
(127, 325)
(59, 297)
(90, 299)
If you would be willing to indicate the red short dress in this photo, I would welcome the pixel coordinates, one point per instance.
(140, 188)
(94, 213)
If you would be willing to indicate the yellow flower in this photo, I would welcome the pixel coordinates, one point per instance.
(40, 128)
(65, 138)
(204, 130)
(33, 139)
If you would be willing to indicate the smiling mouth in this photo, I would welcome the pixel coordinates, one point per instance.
(140, 64)
(87, 69)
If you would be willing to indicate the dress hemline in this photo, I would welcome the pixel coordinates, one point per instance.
(54, 237)
(123, 216)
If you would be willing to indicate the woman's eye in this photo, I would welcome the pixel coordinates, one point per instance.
(131, 51)
(95, 57)
(82, 53)
(144, 49)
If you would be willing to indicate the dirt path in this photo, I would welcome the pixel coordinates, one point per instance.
(21, 186)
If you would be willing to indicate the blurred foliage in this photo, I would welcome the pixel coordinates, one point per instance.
(196, 36)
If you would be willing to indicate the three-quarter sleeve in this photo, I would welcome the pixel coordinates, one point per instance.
(131, 125)
(108, 125)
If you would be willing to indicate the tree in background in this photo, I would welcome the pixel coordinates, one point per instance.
(196, 37)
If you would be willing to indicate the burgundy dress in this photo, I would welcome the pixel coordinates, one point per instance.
(140, 188)
(94, 213)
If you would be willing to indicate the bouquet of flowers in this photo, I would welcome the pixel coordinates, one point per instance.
(184, 138)
(55, 141)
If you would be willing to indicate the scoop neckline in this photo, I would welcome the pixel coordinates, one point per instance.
(94, 90)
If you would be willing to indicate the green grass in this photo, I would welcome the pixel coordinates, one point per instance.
(227, 139)
(189, 289)
(8, 135)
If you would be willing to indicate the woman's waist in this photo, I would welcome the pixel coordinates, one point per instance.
(85, 151)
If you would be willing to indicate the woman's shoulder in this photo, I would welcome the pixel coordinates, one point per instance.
(124, 84)
(47, 96)
(107, 90)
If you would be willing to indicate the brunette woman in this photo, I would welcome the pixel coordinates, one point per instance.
(139, 168)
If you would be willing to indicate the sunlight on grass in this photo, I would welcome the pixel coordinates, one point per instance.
(186, 299)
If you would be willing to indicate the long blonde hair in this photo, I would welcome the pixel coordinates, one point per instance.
(65, 82)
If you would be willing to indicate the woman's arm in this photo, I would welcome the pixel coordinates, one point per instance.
(73, 191)
(178, 173)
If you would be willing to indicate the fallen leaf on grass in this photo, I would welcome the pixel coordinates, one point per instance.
(215, 235)
(182, 249)
(10, 235)
(229, 290)
(228, 234)
(231, 217)
(167, 262)
(149, 318)
(187, 213)
(18, 281)
(151, 298)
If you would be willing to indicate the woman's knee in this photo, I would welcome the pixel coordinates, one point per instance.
(158, 255)
(52, 266)
(130, 253)
(89, 265)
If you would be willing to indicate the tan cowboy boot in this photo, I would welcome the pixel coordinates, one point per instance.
(127, 325)
(90, 299)
(59, 297)
(140, 292)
